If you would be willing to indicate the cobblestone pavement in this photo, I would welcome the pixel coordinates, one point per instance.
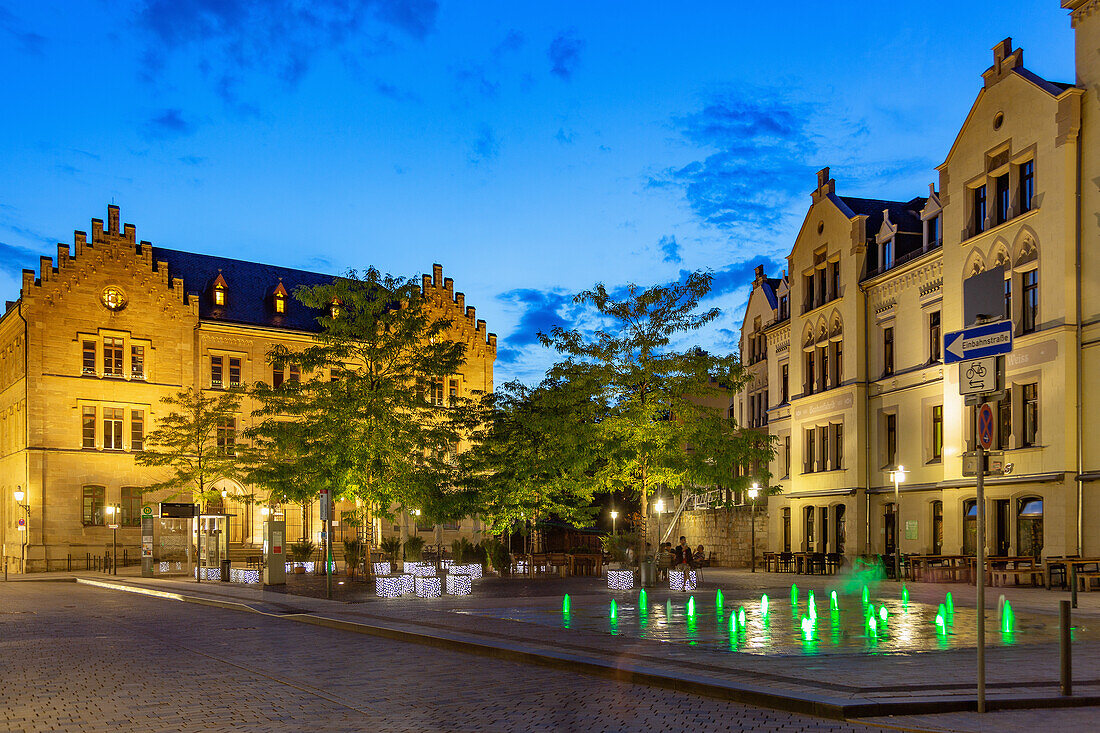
(75, 658)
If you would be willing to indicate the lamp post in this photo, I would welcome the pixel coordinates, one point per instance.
(614, 516)
(112, 512)
(754, 492)
(24, 528)
(897, 476)
(659, 506)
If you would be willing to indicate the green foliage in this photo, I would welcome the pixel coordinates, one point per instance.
(617, 545)
(478, 554)
(535, 452)
(358, 422)
(186, 442)
(665, 421)
(461, 551)
(301, 550)
(353, 552)
(414, 548)
(391, 546)
(499, 557)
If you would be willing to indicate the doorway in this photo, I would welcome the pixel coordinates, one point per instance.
(1001, 526)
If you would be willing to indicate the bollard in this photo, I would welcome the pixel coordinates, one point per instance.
(69, 563)
(1073, 584)
(1067, 654)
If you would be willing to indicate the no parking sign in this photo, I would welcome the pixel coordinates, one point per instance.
(985, 426)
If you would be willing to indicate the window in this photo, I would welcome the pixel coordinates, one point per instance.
(424, 525)
(823, 452)
(786, 455)
(786, 514)
(93, 505)
(137, 430)
(131, 506)
(1004, 419)
(935, 340)
(970, 527)
(887, 255)
(437, 392)
(809, 526)
(887, 351)
(937, 528)
(889, 525)
(937, 433)
(219, 296)
(784, 307)
(295, 373)
(891, 440)
(216, 371)
(809, 376)
(808, 298)
(823, 377)
(979, 209)
(280, 303)
(88, 358)
(1029, 526)
(453, 390)
(88, 427)
(822, 293)
(1004, 210)
(1030, 281)
(227, 435)
(808, 450)
(112, 357)
(277, 376)
(334, 308)
(234, 371)
(1008, 298)
(450, 526)
(1031, 414)
(137, 362)
(112, 428)
(834, 280)
(785, 382)
(838, 363)
(840, 533)
(1027, 185)
(838, 446)
(934, 232)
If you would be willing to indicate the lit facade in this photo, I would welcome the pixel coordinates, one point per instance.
(856, 385)
(100, 335)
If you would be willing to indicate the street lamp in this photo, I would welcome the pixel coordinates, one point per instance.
(24, 527)
(614, 516)
(754, 492)
(111, 511)
(897, 476)
(659, 506)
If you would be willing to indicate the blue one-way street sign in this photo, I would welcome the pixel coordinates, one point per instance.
(975, 342)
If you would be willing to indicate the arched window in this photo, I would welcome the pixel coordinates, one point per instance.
(94, 500)
(970, 527)
(1029, 526)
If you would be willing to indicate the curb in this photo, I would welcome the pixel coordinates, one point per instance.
(817, 706)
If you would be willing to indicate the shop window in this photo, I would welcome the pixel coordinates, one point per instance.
(786, 520)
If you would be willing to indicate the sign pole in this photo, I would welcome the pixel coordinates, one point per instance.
(980, 481)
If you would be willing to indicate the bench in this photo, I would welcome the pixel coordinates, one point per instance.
(1084, 578)
(1034, 574)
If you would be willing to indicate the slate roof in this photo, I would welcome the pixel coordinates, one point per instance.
(904, 214)
(250, 286)
(771, 284)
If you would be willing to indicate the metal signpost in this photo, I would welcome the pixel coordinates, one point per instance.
(326, 519)
(979, 351)
(147, 541)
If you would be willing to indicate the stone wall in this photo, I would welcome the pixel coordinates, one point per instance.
(726, 531)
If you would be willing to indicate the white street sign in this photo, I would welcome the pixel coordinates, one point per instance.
(978, 376)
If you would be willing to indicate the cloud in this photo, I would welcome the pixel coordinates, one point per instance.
(563, 137)
(276, 38)
(511, 43)
(565, 55)
(192, 159)
(670, 248)
(486, 145)
(14, 258)
(391, 91)
(30, 43)
(168, 123)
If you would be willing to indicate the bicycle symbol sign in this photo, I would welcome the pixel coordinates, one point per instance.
(985, 426)
(976, 371)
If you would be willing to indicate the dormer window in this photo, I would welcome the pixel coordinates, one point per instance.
(278, 298)
(219, 290)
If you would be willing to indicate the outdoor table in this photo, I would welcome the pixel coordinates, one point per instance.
(948, 564)
(588, 563)
(1078, 564)
(996, 562)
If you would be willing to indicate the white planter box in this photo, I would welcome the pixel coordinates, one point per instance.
(681, 580)
(459, 585)
(382, 568)
(428, 586)
(620, 579)
(389, 586)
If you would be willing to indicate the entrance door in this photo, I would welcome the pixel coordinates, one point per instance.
(890, 530)
(1001, 523)
(823, 546)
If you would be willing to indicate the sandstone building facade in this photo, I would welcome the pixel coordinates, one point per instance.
(99, 336)
(853, 383)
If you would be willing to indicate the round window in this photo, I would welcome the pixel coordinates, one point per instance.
(998, 120)
(113, 298)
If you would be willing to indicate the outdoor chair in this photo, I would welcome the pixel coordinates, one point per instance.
(785, 562)
(832, 562)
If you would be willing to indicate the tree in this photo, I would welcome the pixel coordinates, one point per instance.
(367, 419)
(196, 440)
(666, 409)
(535, 453)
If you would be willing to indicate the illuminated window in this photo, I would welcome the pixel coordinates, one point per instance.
(227, 436)
(934, 338)
(1031, 413)
(137, 430)
(94, 499)
(280, 304)
(219, 296)
(137, 362)
(112, 357)
(215, 371)
(88, 352)
(887, 351)
(334, 308)
(937, 433)
(88, 427)
(234, 372)
(131, 506)
(112, 428)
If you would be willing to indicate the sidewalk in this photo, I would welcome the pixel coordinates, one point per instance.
(832, 685)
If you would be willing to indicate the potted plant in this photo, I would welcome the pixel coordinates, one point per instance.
(391, 546)
(414, 548)
(499, 557)
(353, 555)
(300, 552)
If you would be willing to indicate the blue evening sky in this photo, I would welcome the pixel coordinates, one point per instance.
(531, 148)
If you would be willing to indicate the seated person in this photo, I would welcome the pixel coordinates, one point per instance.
(699, 557)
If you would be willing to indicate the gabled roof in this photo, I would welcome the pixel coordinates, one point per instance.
(248, 286)
(769, 287)
(905, 215)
